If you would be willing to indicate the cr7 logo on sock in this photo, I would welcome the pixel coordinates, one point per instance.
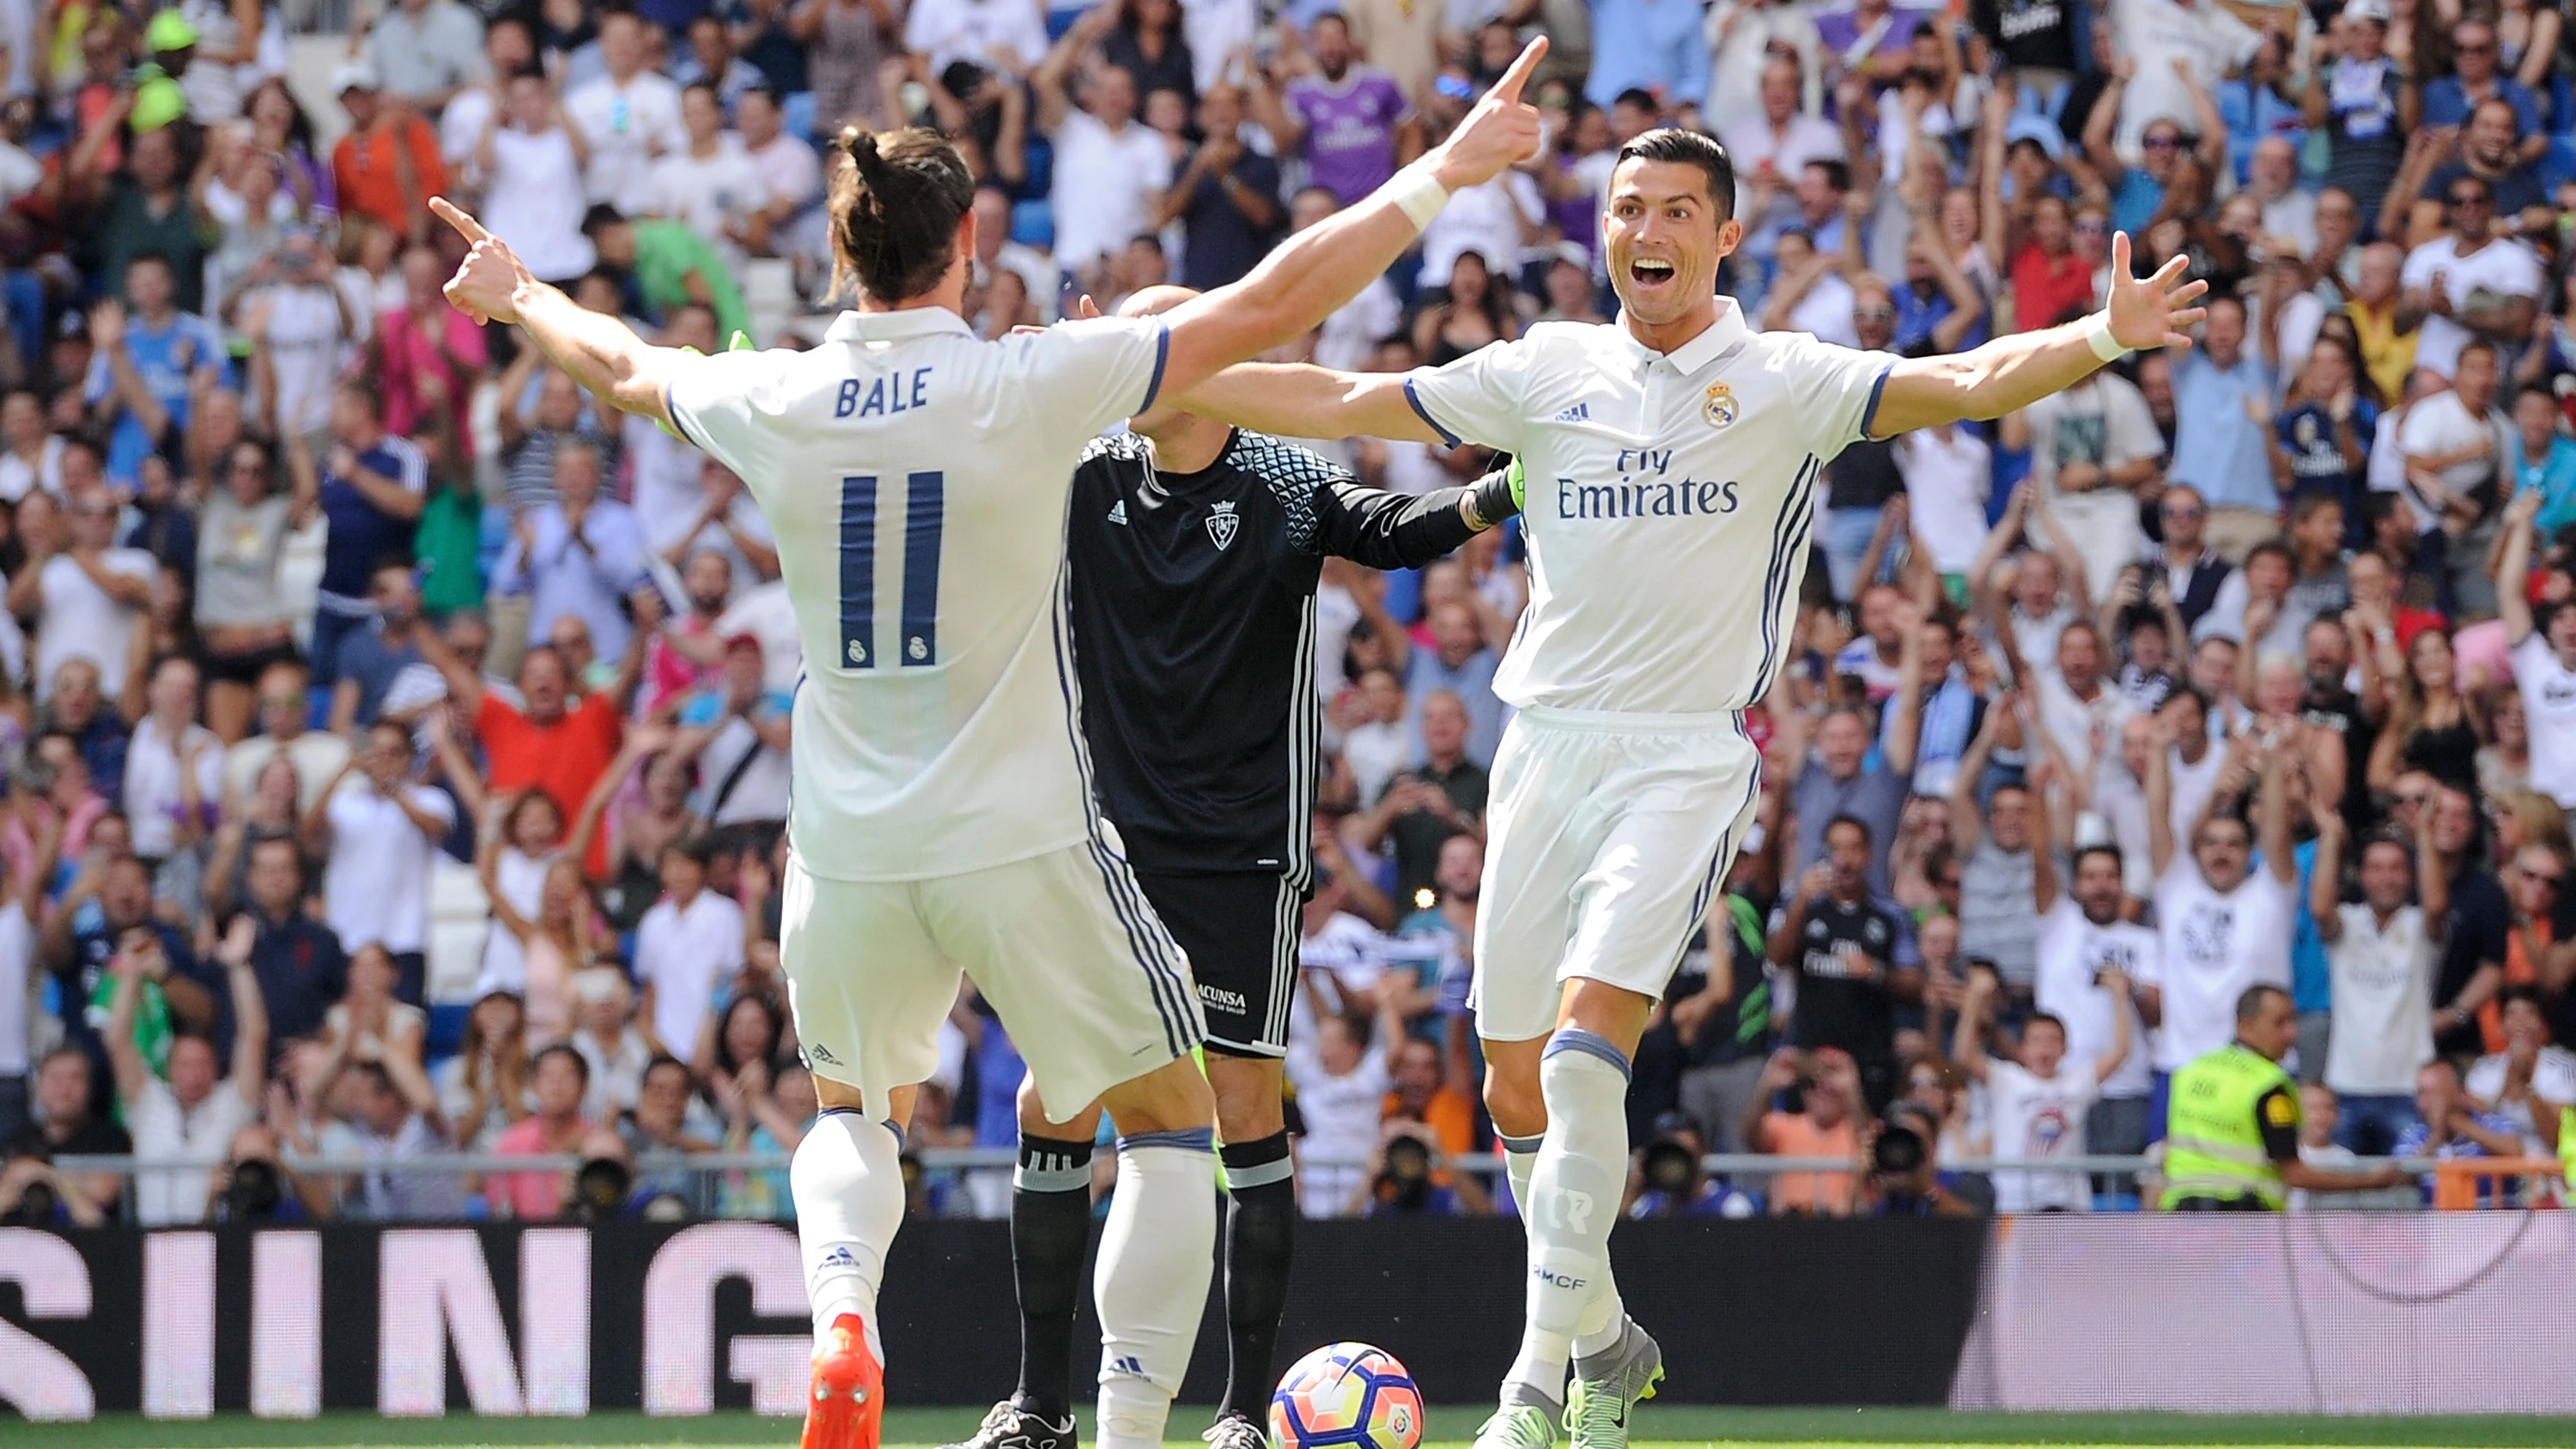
(1564, 1209)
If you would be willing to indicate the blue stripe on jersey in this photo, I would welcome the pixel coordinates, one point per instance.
(925, 510)
(681, 428)
(1725, 854)
(1776, 578)
(858, 573)
(1162, 355)
(1869, 415)
(1415, 399)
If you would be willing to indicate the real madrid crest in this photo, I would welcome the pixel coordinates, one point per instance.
(1222, 523)
(1720, 409)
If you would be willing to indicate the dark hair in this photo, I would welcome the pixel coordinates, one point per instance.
(1688, 148)
(726, 1061)
(895, 209)
(1854, 821)
(2250, 1004)
(2043, 1018)
(2118, 862)
(2522, 991)
(2276, 547)
(580, 1063)
(2313, 504)
(1640, 97)
(599, 218)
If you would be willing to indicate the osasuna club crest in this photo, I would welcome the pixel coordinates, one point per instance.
(1222, 523)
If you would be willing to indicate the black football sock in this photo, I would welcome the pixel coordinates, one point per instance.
(1260, 1226)
(1050, 1228)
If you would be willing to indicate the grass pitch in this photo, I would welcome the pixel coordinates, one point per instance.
(1676, 1426)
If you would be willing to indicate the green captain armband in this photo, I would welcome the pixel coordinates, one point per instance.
(1497, 495)
(1520, 485)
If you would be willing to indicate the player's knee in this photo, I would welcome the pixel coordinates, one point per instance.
(1172, 1098)
(1514, 1101)
(1248, 1095)
(1081, 1127)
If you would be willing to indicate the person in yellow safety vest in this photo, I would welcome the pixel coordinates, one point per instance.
(2232, 1131)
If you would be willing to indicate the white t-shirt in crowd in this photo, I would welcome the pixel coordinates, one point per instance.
(18, 478)
(1104, 183)
(709, 193)
(2443, 424)
(2383, 1002)
(152, 779)
(375, 888)
(17, 960)
(682, 954)
(520, 880)
(625, 127)
(304, 338)
(2072, 952)
(2503, 266)
(165, 1131)
(2553, 1081)
(2035, 1119)
(2193, 784)
(1946, 483)
(1341, 1114)
(81, 621)
(536, 190)
(2214, 946)
(2548, 690)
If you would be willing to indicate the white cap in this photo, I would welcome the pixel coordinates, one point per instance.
(2376, 10)
(360, 75)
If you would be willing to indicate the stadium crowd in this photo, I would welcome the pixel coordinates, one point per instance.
(397, 738)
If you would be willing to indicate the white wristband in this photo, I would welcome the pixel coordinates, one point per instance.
(1419, 195)
(2097, 335)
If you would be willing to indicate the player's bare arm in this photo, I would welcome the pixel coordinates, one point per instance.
(1300, 284)
(2015, 371)
(599, 352)
(1301, 400)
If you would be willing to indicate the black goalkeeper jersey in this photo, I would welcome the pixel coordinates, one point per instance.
(1193, 606)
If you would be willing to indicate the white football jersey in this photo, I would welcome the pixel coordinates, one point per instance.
(1670, 501)
(915, 479)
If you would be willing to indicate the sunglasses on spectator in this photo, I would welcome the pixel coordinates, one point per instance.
(2097, 228)
(1874, 313)
(2480, 48)
(2163, 143)
(2471, 198)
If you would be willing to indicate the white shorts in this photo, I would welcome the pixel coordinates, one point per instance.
(1606, 839)
(1086, 980)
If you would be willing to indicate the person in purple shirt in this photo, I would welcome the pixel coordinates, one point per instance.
(1868, 36)
(1350, 121)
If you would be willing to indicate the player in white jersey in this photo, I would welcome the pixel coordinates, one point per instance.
(1673, 461)
(943, 822)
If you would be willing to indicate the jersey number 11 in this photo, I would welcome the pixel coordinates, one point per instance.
(925, 512)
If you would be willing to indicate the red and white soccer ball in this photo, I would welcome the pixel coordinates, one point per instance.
(1347, 1396)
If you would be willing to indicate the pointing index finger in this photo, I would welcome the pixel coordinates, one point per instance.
(455, 216)
(1509, 87)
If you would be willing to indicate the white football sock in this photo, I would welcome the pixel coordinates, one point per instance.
(847, 1179)
(1574, 1199)
(1605, 1319)
(1157, 1253)
(1520, 1159)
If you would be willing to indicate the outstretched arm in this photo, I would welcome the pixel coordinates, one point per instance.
(2019, 369)
(601, 353)
(1300, 400)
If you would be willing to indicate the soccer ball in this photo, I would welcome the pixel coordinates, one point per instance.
(1347, 1394)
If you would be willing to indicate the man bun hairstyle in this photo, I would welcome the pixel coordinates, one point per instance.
(895, 209)
(1689, 148)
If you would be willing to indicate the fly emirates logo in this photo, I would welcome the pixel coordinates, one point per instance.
(1645, 489)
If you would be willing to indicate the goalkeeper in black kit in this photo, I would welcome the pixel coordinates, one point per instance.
(1194, 553)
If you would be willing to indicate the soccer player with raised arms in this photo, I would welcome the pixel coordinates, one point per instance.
(944, 821)
(1672, 460)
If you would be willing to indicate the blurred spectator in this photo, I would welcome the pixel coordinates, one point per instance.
(426, 51)
(387, 167)
(2224, 925)
(67, 1126)
(383, 830)
(1349, 121)
(557, 1080)
(89, 592)
(627, 117)
(1849, 949)
(687, 943)
(1825, 1124)
(299, 961)
(1341, 1078)
(2040, 1103)
(484, 1088)
(1841, 779)
(389, 1123)
(2529, 1083)
(2219, 389)
(667, 1118)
